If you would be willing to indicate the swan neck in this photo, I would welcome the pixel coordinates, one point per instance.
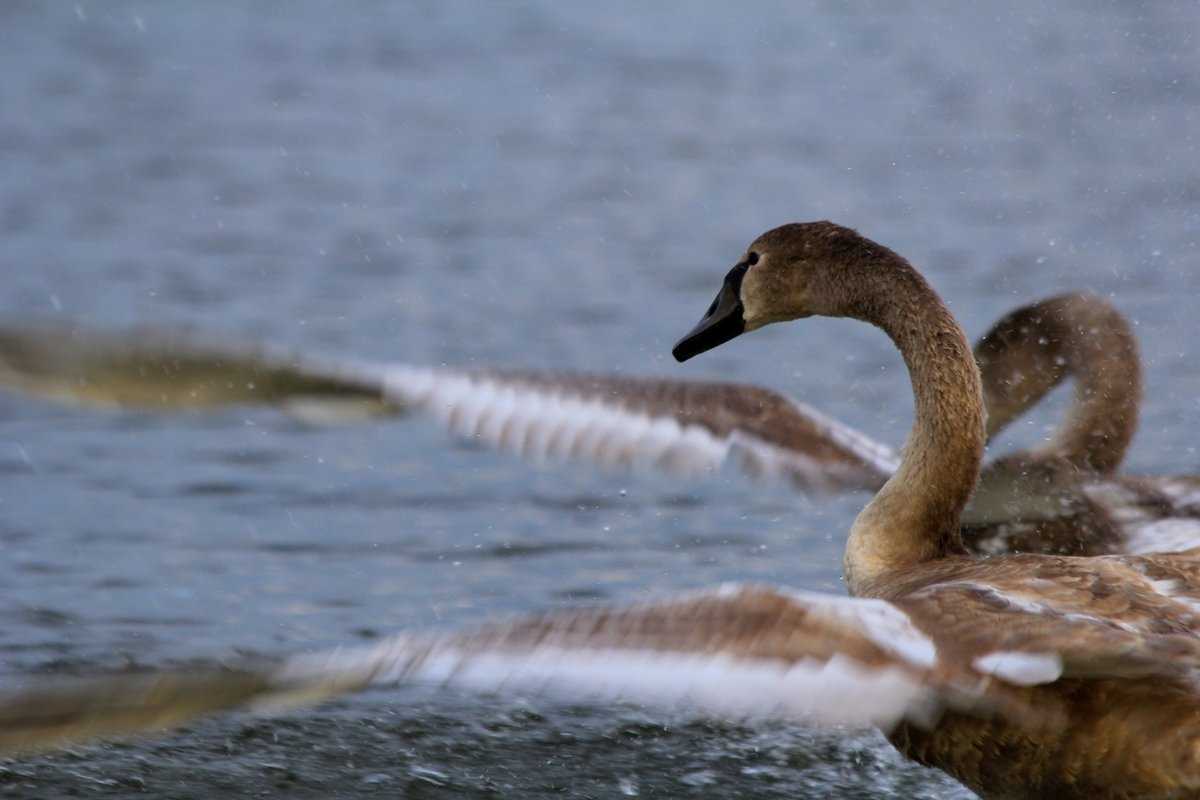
(1101, 352)
(915, 516)
(1033, 349)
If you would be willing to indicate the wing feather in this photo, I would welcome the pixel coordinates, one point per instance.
(735, 651)
(687, 428)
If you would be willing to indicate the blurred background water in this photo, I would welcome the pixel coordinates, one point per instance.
(523, 184)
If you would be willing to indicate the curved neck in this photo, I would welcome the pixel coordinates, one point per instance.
(1033, 349)
(915, 516)
(1102, 354)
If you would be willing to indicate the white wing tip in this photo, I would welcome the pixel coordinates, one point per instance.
(1021, 669)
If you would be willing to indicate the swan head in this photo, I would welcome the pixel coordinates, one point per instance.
(790, 272)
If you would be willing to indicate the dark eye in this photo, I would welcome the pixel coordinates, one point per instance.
(752, 258)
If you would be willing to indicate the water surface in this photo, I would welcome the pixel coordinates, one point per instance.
(522, 184)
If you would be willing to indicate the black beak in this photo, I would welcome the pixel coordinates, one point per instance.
(722, 322)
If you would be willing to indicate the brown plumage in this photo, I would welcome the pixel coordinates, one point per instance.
(1021, 675)
(1124, 627)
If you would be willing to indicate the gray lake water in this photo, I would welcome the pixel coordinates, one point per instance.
(523, 184)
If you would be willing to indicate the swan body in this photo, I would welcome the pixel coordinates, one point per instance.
(1021, 675)
(1062, 496)
(1110, 728)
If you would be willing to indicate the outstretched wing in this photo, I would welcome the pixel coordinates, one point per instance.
(741, 651)
(168, 371)
(687, 428)
(968, 635)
